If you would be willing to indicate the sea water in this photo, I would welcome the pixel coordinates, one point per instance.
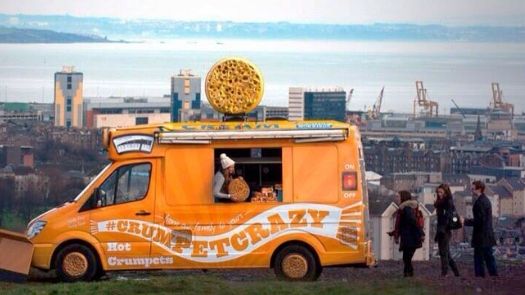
(462, 71)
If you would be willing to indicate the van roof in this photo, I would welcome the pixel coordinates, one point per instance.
(235, 125)
(141, 138)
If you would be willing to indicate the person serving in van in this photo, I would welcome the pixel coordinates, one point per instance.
(222, 178)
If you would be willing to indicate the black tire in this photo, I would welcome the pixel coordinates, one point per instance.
(75, 263)
(100, 273)
(296, 263)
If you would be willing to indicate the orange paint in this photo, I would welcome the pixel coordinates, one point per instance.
(175, 223)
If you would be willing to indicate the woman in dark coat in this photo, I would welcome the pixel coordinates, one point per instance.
(445, 208)
(407, 229)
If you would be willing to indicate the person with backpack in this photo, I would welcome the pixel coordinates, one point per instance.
(408, 228)
(446, 212)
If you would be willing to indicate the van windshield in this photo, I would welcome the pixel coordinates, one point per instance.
(92, 181)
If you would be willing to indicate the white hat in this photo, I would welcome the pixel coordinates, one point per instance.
(226, 161)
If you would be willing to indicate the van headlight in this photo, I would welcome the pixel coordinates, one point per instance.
(35, 228)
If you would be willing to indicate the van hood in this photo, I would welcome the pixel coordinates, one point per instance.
(51, 212)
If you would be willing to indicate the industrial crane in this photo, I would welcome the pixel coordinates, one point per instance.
(459, 109)
(349, 98)
(428, 105)
(497, 100)
(376, 108)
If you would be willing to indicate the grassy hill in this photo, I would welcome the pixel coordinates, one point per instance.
(385, 279)
(213, 284)
(15, 35)
(144, 29)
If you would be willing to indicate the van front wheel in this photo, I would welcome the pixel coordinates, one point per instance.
(296, 263)
(76, 263)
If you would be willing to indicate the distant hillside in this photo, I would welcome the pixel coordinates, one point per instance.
(15, 35)
(140, 29)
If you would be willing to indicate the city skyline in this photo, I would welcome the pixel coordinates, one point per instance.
(282, 101)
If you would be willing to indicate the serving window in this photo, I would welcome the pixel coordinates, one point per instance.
(261, 169)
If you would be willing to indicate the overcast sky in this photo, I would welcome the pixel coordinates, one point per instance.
(446, 12)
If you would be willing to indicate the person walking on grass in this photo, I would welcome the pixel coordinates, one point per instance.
(407, 230)
(483, 233)
(445, 208)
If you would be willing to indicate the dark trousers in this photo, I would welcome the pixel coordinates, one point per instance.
(444, 253)
(408, 253)
(484, 255)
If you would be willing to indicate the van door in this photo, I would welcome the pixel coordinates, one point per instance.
(123, 218)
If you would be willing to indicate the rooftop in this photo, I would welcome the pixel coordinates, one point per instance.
(430, 208)
(471, 148)
(454, 179)
(378, 206)
(462, 194)
(126, 102)
(516, 184)
(499, 190)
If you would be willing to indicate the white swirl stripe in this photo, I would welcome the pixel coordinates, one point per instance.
(315, 219)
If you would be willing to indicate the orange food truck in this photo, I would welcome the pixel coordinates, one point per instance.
(153, 206)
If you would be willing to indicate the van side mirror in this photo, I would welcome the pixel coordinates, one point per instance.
(100, 197)
(97, 199)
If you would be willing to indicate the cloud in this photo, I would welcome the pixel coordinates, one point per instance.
(449, 12)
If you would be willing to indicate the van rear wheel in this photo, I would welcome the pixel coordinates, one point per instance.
(76, 263)
(296, 263)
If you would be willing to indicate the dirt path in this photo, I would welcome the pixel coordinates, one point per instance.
(511, 278)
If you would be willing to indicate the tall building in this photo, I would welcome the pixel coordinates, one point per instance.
(317, 104)
(295, 103)
(185, 96)
(68, 97)
(500, 127)
(325, 104)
